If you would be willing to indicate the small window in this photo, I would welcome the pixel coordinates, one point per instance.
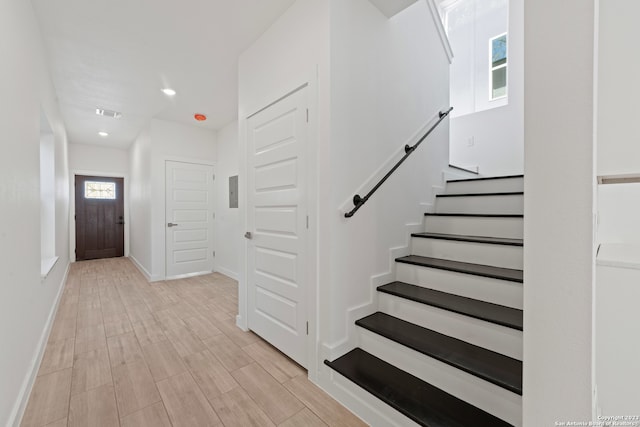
(498, 73)
(99, 190)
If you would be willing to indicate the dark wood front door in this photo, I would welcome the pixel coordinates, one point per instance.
(99, 217)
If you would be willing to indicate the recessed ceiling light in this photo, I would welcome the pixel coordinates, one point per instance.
(103, 134)
(168, 91)
(108, 113)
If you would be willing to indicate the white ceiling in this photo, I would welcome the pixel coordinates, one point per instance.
(118, 54)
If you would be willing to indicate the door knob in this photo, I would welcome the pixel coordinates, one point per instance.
(248, 235)
(171, 224)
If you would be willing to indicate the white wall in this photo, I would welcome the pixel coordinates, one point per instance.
(618, 211)
(140, 202)
(471, 24)
(172, 141)
(559, 209)
(618, 90)
(26, 301)
(493, 139)
(94, 158)
(388, 78)
(618, 206)
(228, 234)
(618, 140)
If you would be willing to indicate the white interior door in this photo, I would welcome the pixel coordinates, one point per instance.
(189, 218)
(277, 224)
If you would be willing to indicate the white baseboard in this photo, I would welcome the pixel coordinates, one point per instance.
(241, 323)
(27, 386)
(227, 273)
(182, 276)
(140, 267)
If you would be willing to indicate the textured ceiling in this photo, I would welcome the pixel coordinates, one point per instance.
(118, 54)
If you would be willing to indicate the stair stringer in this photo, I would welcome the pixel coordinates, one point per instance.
(363, 404)
(348, 343)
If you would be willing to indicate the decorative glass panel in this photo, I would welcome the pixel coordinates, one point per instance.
(499, 51)
(99, 190)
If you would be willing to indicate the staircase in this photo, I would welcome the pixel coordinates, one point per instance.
(445, 347)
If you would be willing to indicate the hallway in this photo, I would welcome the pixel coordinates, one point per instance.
(126, 352)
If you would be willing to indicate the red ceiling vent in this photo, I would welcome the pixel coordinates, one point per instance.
(200, 117)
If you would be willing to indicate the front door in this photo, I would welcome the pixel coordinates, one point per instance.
(189, 219)
(277, 225)
(99, 217)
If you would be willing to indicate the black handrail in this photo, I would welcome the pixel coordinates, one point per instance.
(408, 149)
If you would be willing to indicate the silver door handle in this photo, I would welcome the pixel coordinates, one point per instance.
(171, 224)
(248, 235)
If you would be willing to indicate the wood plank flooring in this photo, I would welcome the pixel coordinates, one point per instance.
(125, 352)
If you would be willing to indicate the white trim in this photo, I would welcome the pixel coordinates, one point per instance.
(140, 267)
(227, 272)
(347, 205)
(313, 148)
(46, 265)
(442, 33)
(241, 322)
(189, 160)
(187, 275)
(72, 206)
(163, 241)
(363, 404)
(15, 418)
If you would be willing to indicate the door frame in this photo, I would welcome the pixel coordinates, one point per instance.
(313, 302)
(72, 207)
(163, 241)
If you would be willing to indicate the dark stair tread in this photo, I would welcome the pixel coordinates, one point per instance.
(464, 267)
(494, 313)
(503, 193)
(485, 178)
(476, 215)
(493, 367)
(418, 400)
(474, 239)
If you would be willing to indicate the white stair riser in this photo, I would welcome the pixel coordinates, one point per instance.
(505, 256)
(485, 186)
(489, 397)
(510, 228)
(500, 204)
(494, 337)
(497, 291)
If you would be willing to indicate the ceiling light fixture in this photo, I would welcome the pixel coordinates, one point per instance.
(108, 113)
(103, 134)
(168, 91)
(200, 117)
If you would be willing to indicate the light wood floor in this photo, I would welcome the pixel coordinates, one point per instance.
(124, 352)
